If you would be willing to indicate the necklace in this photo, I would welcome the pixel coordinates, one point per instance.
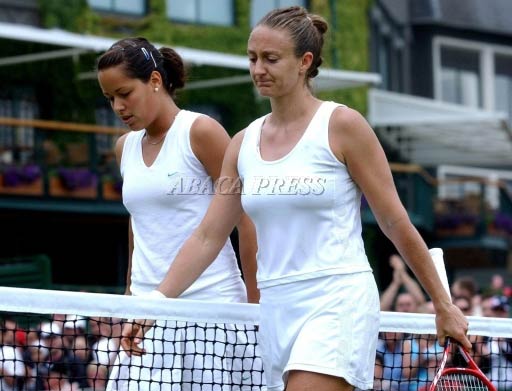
(156, 142)
(163, 137)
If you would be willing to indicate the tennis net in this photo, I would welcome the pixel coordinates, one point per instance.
(59, 340)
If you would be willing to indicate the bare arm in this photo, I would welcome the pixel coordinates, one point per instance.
(401, 278)
(209, 143)
(412, 286)
(351, 139)
(119, 153)
(388, 296)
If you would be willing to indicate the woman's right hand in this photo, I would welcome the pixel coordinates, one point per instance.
(133, 335)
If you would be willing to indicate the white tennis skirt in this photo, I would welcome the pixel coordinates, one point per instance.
(326, 325)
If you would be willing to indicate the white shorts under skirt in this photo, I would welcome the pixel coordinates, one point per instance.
(325, 325)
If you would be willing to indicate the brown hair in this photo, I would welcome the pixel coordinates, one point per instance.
(140, 58)
(306, 30)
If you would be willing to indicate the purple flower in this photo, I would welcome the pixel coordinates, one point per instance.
(11, 177)
(503, 221)
(30, 173)
(15, 176)
(454, 220)
(77, 178)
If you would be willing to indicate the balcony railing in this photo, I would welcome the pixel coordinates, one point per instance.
(58, 160)
(464, 218)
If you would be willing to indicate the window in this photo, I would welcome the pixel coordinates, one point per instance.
(387, 50)
(503, 84)
(473, 74)
(133, 7)
(17, 143)
(460, 76)
(218, 12)
(259, 8)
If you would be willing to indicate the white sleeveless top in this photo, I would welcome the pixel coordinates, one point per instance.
(305, 206)
(166, 202)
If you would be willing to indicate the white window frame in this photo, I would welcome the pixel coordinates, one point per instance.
(197, 20)
(486, 52)
(253, 21)
(116, 7)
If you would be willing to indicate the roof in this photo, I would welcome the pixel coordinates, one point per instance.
(430, 132)
(492, 16)
(76, 44)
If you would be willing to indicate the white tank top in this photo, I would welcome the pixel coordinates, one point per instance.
(166, 202)
(305, 206)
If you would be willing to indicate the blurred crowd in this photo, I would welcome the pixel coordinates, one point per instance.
(64, 353)
(408, 362)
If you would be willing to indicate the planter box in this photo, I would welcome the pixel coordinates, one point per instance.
(57, 189)
(492, 230)
(462, 230)
(110, 193)
(29, 189)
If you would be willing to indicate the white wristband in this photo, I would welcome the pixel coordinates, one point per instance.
(156, 293)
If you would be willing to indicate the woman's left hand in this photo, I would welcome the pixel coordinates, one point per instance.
(133, 335)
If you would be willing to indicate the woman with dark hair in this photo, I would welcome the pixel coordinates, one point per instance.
(169, 162)
(299, 172)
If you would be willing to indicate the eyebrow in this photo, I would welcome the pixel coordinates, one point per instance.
(265, 51)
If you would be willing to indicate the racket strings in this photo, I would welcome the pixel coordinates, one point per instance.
(460, 382)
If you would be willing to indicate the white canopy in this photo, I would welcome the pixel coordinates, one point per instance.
(76, 44)
(430, 132)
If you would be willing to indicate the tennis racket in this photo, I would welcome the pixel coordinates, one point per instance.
(459, 378)
(469, 378)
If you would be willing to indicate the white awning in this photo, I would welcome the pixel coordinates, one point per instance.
(430, 132)
(76, 44)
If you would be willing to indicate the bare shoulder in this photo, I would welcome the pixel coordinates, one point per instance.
(239, 137)
(349, 133)
(204, 122)
(206, 126)
(346, 119)
(209, 140)
(234, 146)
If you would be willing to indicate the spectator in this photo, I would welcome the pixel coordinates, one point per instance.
(61, 359)
(35, 356)
(400, 357)
(407, 301)
(105, 349)
(465, 304)
(467, 286)
(12, 365)
(500, 349)
(97, 375)
(73, 327)
(77, 357)
(498, 286)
